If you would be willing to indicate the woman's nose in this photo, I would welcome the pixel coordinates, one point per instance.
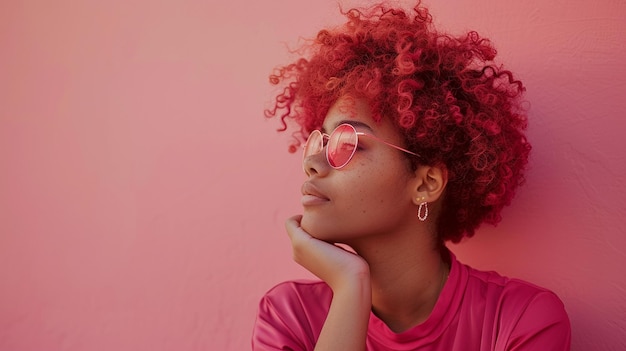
(316, 164)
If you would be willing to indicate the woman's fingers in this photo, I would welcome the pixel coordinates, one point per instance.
(327, 261)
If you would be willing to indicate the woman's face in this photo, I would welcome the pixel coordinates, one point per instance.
(371, 195)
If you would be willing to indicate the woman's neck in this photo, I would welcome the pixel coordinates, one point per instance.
(406, 277)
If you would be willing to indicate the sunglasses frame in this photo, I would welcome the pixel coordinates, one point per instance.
(323, 137)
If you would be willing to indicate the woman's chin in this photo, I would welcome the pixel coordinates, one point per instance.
(316, 228)
(308, 225)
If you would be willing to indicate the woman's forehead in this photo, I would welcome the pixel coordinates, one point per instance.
(347, 108)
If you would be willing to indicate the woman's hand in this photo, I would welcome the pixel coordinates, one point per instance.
(329, 262)
(347, 274)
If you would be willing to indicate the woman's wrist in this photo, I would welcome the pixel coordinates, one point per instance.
(346, 324)
(354, 278)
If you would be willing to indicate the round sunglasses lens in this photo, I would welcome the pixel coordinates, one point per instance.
(341, 146)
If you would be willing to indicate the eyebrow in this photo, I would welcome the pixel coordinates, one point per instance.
(353, 123)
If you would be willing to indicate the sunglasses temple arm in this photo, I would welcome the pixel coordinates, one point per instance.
(390, 144)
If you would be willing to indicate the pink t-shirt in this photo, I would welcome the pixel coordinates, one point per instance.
(476, 310)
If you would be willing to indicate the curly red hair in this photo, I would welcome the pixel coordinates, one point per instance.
(453, 105)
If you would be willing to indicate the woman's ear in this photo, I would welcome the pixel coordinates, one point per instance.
(430, 183)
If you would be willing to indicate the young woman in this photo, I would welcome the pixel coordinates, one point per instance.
(415, 138)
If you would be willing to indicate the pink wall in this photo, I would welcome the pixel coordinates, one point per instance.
(142, 193)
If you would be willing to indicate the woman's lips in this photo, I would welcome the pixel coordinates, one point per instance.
(310, 200)
(312, 196)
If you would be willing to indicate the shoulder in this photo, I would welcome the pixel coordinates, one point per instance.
(533, 317)
(293, 288)
(297, 295)
(513, 296)
(291, 315)
(524, 313)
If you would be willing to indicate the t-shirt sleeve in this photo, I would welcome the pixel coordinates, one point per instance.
(290, 317)
(542, 325)
(271, 331)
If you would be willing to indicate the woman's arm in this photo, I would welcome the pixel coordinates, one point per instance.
(348, 276)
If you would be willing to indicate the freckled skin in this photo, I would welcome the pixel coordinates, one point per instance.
(371, 195)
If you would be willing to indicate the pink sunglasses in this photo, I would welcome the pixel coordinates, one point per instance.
(341, 144)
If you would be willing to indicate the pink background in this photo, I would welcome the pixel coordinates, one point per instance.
(142, 192)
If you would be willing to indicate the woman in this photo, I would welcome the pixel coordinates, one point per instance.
(415, 138)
